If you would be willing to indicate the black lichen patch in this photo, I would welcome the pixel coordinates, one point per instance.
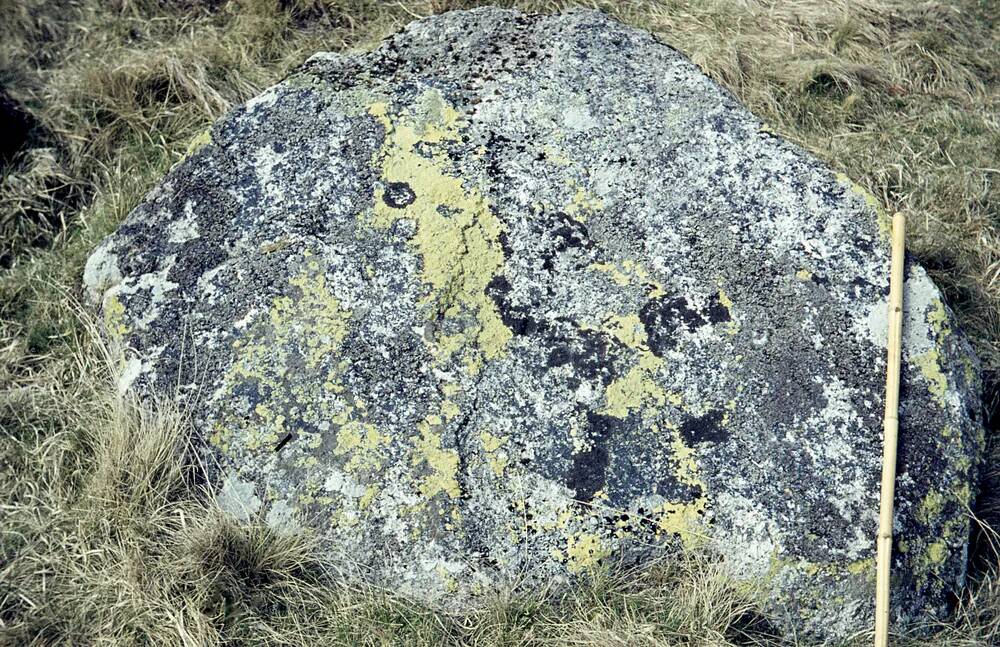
(398, 195)
(589, 470)
(717, 312)
(590, 353)
(569, 233)
(704, 429)
(662, 316)
(517, 318)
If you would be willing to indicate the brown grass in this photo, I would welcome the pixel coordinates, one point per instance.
(95, 549)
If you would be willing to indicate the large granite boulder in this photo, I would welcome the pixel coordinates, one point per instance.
(513, 298)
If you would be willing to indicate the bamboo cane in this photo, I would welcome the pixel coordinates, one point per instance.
(891, 429)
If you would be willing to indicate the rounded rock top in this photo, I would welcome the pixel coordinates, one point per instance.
(513, 298)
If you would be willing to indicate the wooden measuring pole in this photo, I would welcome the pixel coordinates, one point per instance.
(891, 430)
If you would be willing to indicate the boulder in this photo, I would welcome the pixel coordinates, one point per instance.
(513, 298)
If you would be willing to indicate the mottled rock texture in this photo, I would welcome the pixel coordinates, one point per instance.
(512, 298)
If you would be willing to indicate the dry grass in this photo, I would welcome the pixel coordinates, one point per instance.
(105, 536)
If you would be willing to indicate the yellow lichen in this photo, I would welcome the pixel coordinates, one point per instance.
(306, 461)
(632, 391)
(274, 246)
(220, 436)
(363, 444)
(638, 386)
(498, 461)
(198, 142)
(937, 552)
(929, 364)
(328, 321)
(449, 409)
(733, 326)
(963, 494)
(450, 583)
(457, 236)
(584, 552)
(629, 272)
(582, 204)
(271, 427)
(881, 217)
(627, 329)
(938, 319)
(724, 299)
(490, 442)
(114, 317)
(366, 499)
(619, 277)
(679, 519)
(441, 463)
(861, 566)
(930, 507)
(556, 156)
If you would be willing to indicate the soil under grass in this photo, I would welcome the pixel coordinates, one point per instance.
(105, 534)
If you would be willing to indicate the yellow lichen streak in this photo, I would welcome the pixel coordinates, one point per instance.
(929, 362)
(457, 236)
(682, 519)
(733, 327)
(630, 272)
(881, 217)
(114, 317)
(639, 390)
(442, 463)
(638, 387)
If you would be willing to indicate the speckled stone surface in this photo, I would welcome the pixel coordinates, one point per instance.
(513, 298)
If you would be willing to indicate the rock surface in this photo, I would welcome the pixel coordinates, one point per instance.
(512, 298)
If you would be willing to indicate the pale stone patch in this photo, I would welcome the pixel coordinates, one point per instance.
(238, 497)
